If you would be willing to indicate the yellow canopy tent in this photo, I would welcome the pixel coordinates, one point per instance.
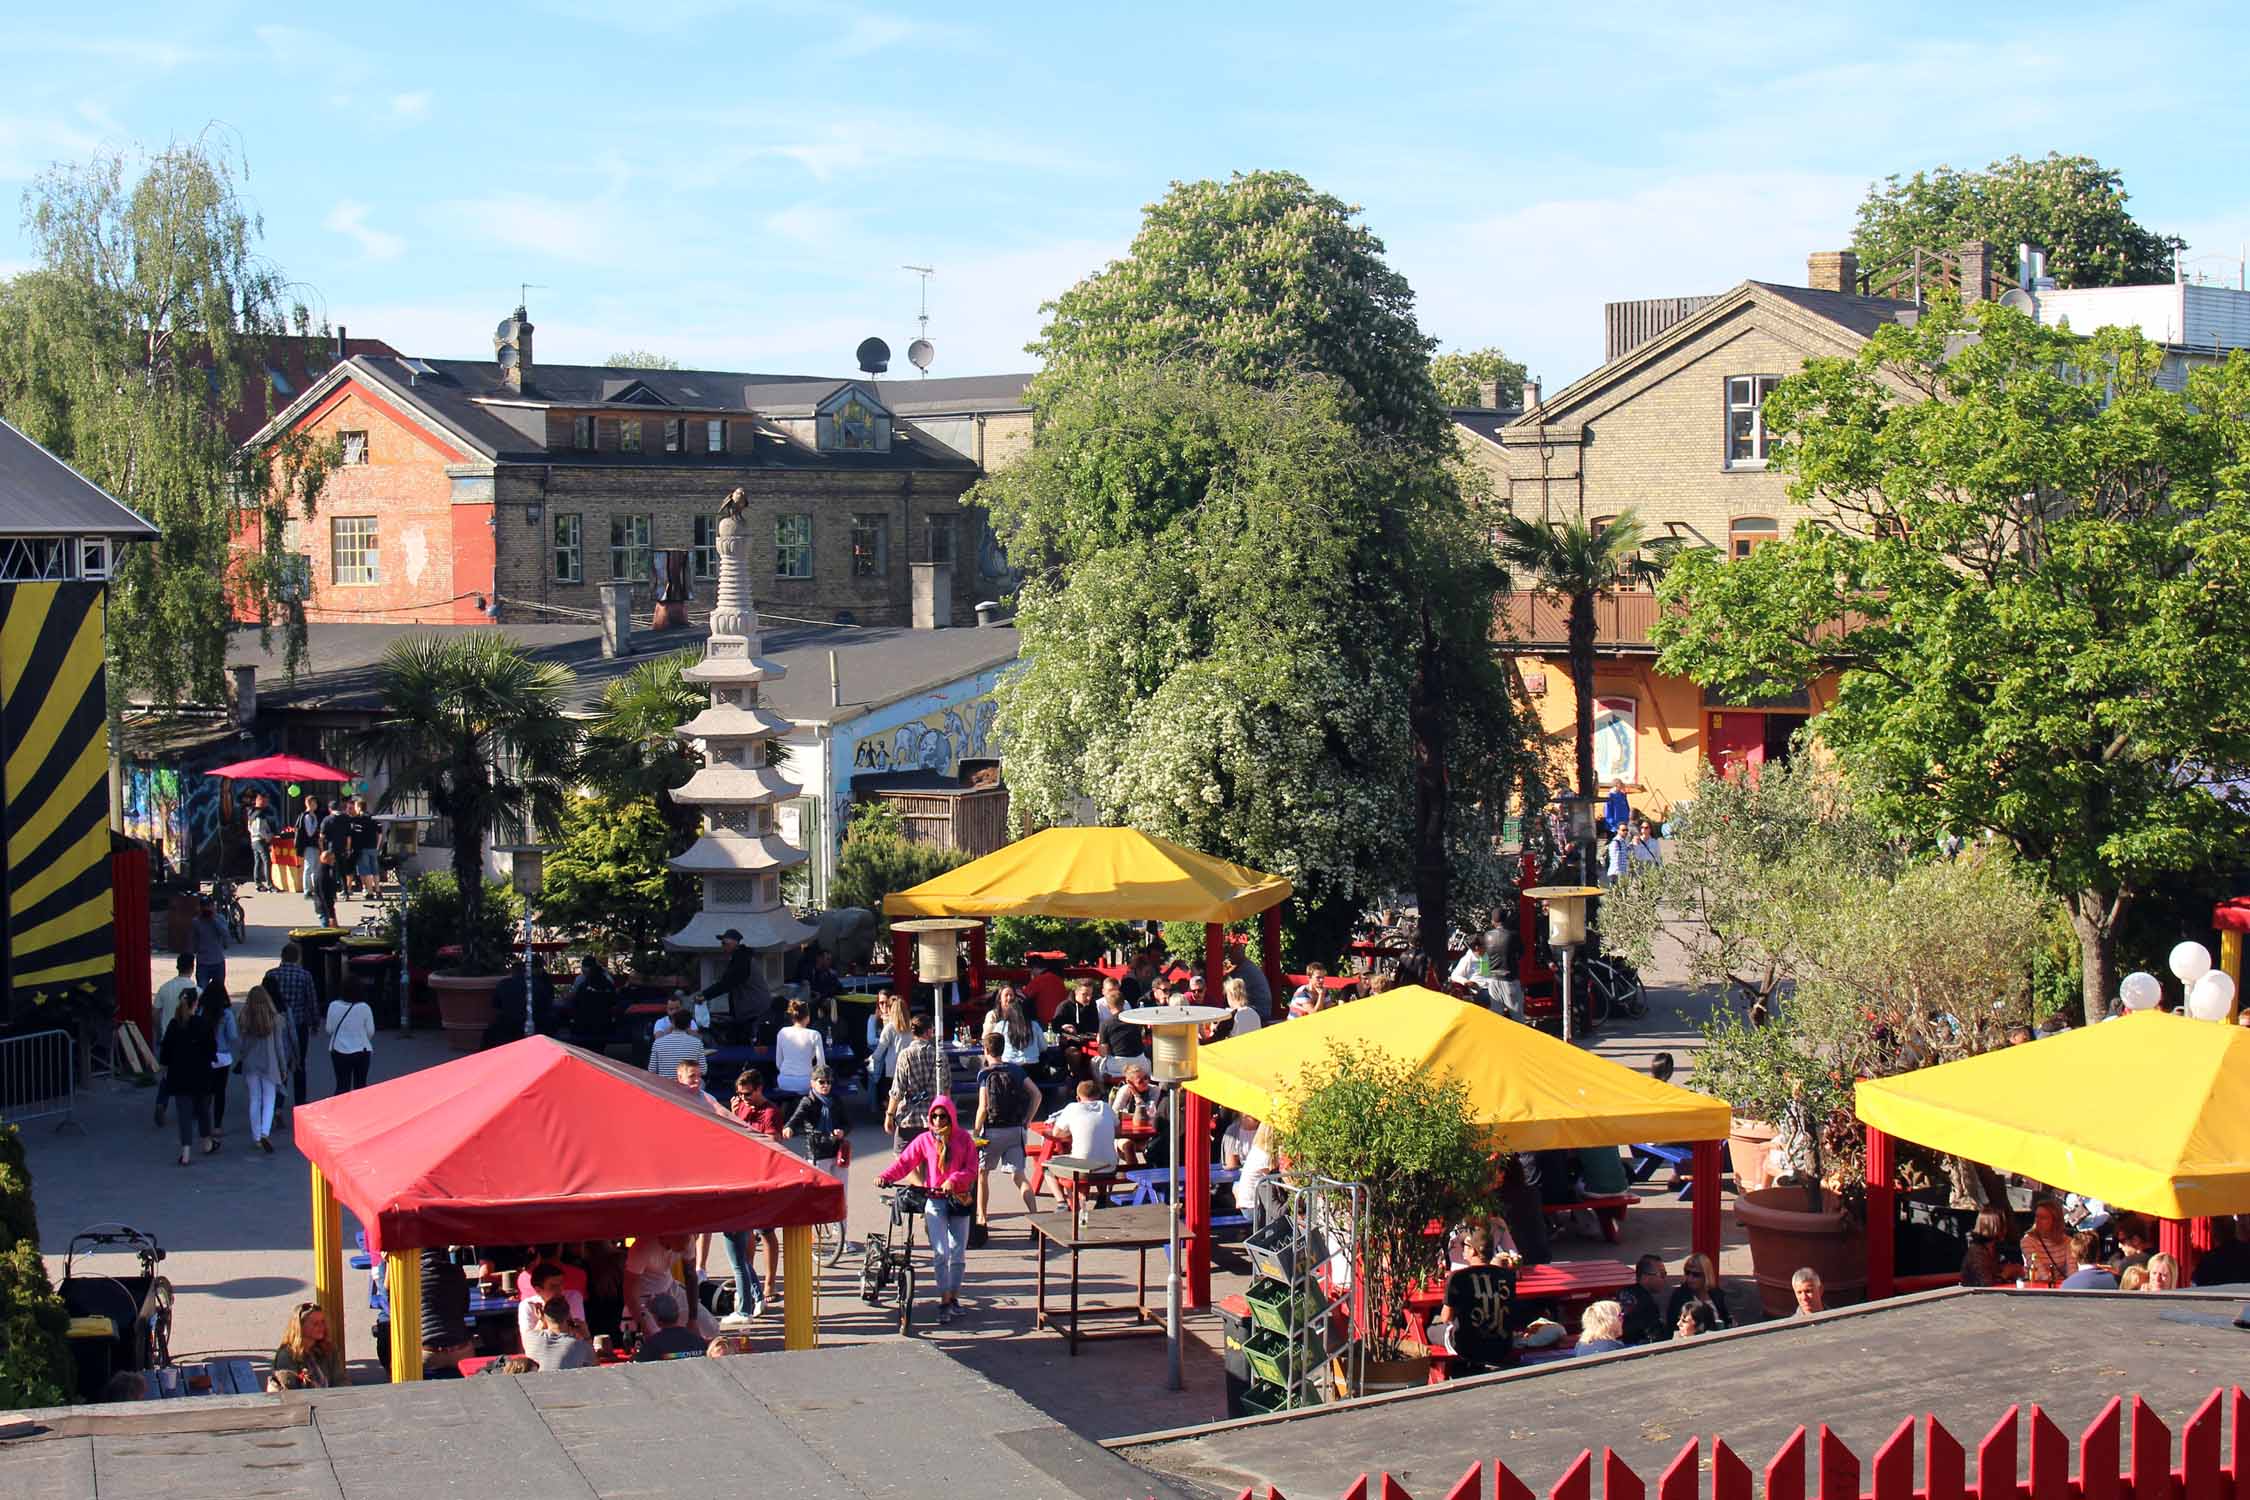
(1101, 874)
(2173, 1140)
(1533, 1091)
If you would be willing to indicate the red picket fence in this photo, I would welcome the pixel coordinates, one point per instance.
(2105, 1470)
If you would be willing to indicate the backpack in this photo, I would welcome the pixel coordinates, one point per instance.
(1005, 1101)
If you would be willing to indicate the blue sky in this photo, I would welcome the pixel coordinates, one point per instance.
(738, 184)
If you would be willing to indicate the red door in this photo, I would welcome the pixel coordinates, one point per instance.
(1736, 741)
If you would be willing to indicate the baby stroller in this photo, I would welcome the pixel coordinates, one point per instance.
(116, 1322)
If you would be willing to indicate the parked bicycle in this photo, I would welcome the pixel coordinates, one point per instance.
(229, 907)
(887, 1258)
(1614, 988)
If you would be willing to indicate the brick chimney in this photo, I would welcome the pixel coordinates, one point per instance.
(1976, 269)
(511, 350)
(1832, 271)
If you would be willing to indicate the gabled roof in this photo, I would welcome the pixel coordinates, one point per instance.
(40, 495)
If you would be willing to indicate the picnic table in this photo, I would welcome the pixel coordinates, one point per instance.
(1044, 1147)
(216, 1377)
(1573, 1283)
(1137, 1229)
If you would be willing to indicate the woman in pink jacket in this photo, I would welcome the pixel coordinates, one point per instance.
(946, 1159)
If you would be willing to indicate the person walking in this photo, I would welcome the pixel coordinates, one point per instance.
(263, 826)
(827, 1127)
(290, 985)
(335, 859)
(946, 1160)
(207, 940)
(178, 993)
(186, 1053)
(225, 1037)
(351, 1042)
(268, 1062)
(309, 819)
(925, 1075)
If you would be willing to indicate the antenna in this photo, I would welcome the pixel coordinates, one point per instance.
(925, 272)
(524, 290)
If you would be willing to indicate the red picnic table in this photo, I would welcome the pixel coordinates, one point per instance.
(1044, 1147)
(1573, 1283)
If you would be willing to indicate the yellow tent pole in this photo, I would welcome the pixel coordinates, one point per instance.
(328, 1258)
(405, 1272)
(2230, 959)
(800, 1323)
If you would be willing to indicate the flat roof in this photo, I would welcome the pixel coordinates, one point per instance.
(1965, 1356)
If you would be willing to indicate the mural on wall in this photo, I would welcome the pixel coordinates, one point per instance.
(1617, 741)
(937, 741)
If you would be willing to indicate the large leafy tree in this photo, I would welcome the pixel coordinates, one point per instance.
(2073, 207)
(1578, 563)
(145, 322)
(1462, 375)
(2029, 580)
(632, 750)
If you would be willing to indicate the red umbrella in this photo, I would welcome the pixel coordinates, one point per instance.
(281, 768)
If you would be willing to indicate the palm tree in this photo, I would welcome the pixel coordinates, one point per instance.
(475, 725)
(1578, 563)
(632, 749)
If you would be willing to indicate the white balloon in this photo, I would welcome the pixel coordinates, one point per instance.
(2140, 990)
(2190, 962)
(2211, 998)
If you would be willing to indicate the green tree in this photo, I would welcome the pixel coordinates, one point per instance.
(476, 725)
(2072, 207)
(878, 859)
(2028, 580)
(35, 1362)
(1462, 375)
(1579, 563)
(641, 359)
(608, 878)
(632, 748)
(144, 324)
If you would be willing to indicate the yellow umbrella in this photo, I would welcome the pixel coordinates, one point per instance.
(1533, 1091)
(1112, 874)
(2150, 1112)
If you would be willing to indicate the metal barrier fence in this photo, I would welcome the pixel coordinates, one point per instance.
(38, 1077)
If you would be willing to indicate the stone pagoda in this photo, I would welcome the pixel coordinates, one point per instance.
(740, 856)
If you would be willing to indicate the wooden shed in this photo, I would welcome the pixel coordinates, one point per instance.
(968, 813)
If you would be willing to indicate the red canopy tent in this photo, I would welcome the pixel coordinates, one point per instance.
(280, 768)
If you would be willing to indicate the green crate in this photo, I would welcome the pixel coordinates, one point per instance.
(1263, 1399)
(1278, 1359)
(1276, 1306)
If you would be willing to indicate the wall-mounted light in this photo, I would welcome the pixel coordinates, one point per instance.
(531, 514)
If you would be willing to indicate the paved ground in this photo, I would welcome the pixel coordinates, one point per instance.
(237, 1229)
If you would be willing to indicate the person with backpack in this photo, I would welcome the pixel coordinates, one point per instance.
(1007, 1103)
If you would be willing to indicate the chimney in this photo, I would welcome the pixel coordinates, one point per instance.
(617, 618)
(1488, 394)
(933, 595)
(343, 344)
(511, 350)
(1531, 393)
(1832, 271)
(1976, 270)
(245, 695)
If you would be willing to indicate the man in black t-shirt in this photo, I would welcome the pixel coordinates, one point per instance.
(672, 1339)
(335, 860)
(1007, 1103)
(367, 849)
(1473, 1324)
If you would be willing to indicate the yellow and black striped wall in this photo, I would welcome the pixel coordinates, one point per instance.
(54, 797)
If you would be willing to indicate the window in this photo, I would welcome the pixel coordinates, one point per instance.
(351, 550)
(1746, 423)
(354, 445)
(1746, 534)
(628, 548)
(582, 434)
(629, 435)
(941, 539)
(570, 549)
(675, 435)
(792, 546)
(851, 427)
(871, 546)
(703, 557)
(93, 557)
(715, 435)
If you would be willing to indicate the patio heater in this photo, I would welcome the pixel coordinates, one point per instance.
(527, 872)
(1566, 929)
(405, 830)
(937, 960)
(1579, 818)
(1174, 1031)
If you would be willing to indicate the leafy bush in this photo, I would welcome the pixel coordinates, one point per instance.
(878, 860)
(35, 1363)
(1080, 942)
(1408, 1137)
(607, 880)
(433, 913)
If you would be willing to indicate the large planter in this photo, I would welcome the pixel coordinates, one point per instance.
(1785, 1237)
(1382, 1375)
(465, 1007)
(1750, 1144)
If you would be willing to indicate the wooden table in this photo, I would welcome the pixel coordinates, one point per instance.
(1573, 1283)
(1137, 1229)
(218, 1377)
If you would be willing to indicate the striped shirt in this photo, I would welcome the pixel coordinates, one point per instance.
(668, 1051)
(924, 1072)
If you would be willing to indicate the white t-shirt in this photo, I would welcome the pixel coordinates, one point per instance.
(797, 1050)
(351, 1026)
(1246, 1020)
(168, 1001)
(1091, 1126)
(1257, 1165)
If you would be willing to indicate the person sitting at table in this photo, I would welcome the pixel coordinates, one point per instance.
(1696, 1318)
(728, 1344)
(1983, 1263)
(2136, 1238)
(2163, 1273)
(1023, 1039)
(688, 1079)
(558, 1340)
(1312, 995)
(925, 1074)
(1257, 1195)
(1457, 1242)
(671, 1338)
(1132, 988)
(1253, 978)
(1242, 1013)
(1007, 1103)
(306, 1351)
(2091, 1275)
(822, 982)
(1520, 1206)
(1810, 1291)
(797, 1050)
(1699, 1287)
(1644, 1303)
(1601, 1329)
(1087, 1127)
(698, 1015)
(1045, 991)
(675, 1042)
(445, 1315)
(2133, 1279)
(945, 1161)
(1472, 1326)
(550, 1285)
(2046, 1245)
(1077, 1020)
(648, 1274)
(1122, 1041)
(2228, 1259)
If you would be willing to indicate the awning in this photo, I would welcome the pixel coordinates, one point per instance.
(2150, 1112)
(538, 1141)
(1533, 1091)
(1100, 874)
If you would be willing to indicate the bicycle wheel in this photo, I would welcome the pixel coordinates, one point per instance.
(160, 1323)
(838, 1243)
(905, 1294)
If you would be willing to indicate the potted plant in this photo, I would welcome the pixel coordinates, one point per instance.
(432, 911)
(474, 726)
(1408, 1138)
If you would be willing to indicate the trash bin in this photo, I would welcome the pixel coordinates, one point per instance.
(373, 977)
(1236, 1325)
(324, 957)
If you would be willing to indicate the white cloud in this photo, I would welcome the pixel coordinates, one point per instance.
(411, 107)
(29, 144)
(871, 32)
(296, 47)
(349, 218)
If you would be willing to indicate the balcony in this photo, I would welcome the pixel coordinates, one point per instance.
(1541, 622)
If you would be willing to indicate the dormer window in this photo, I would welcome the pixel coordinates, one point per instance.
(851, 422)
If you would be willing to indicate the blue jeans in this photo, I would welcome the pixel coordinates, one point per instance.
(949, 1243)
(745, 1275)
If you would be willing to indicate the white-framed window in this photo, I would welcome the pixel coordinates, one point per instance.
(871, 545)
(93, 557)
(354, 445)
(792, 546)
(715, 435)
(675, 435)
(582, 434)
(628, 548)
(351, 550)
(941, 539)
(629, 435)
(703, 555)
(570, 548)
(1746, 439)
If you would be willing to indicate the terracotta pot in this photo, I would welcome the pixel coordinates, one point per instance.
(1382, 1375)
(465, 1007)
(1750, 1142)
(1785, 1236)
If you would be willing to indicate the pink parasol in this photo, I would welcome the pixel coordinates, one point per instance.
(280, 768)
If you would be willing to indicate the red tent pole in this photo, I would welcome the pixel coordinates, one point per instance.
(976, 962)
(1704, 1212)
(1882, 1214)
(2172, 1238)
(1269, 953)
(1195, 1148)
(2200, 1237)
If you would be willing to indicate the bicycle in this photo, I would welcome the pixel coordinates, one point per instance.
(229, 907)
(885, 1265)
(829, 1243)
(1614, 987)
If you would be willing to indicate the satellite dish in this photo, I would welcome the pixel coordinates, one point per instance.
(874, 356)
(2019, 299)
(507, 356)
(921, 353)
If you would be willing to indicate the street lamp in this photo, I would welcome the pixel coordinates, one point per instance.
(404, 830)
(1174, 1031)
(937, 959)
(527, 872)
(1566, 929)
